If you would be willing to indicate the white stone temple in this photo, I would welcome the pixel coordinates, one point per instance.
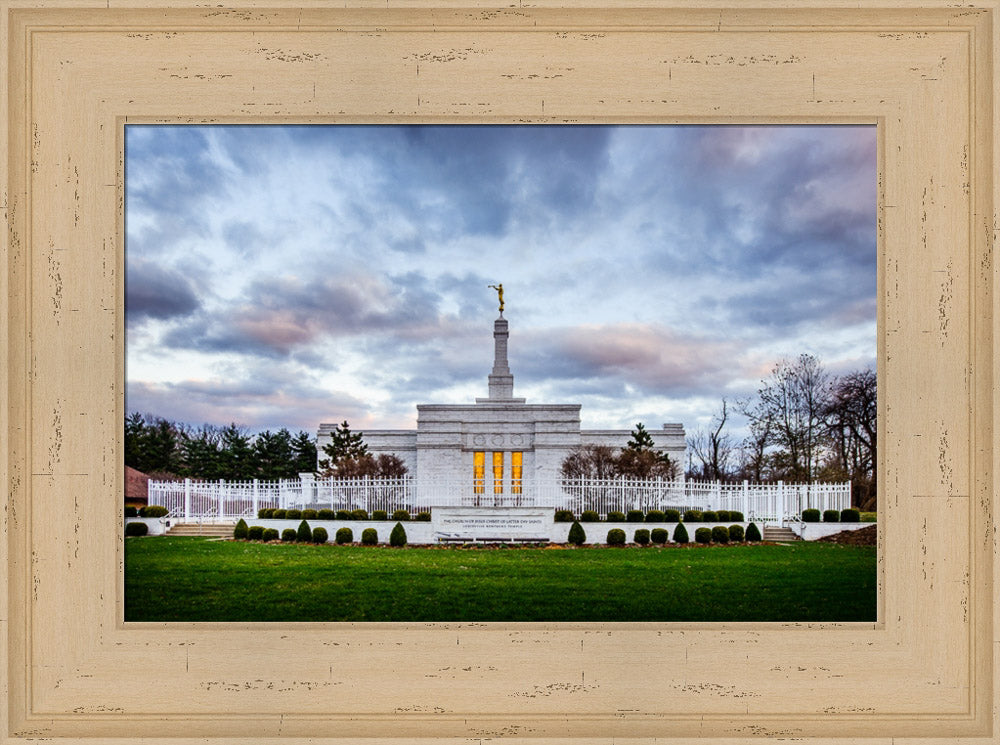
(499, 445)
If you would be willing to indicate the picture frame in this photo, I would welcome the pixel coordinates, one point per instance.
(76, 73)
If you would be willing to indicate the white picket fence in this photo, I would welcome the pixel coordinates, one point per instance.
(764, 502)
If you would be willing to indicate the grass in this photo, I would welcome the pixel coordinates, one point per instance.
(197, 579)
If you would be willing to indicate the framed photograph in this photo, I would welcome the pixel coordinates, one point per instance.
(75, 77)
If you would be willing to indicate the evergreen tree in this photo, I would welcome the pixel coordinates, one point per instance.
(274, 455)
(641, 439)
(201, 454)
(304, 454)
(237, 454)
(135, 431)
(344, 452)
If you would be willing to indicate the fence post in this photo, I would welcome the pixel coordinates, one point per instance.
(780, 506)
(746, 499)
(222, 499)
(256, 496)
(187, 499)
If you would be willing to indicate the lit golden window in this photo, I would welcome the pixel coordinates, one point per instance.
(498, 473)
(479, 472)
(516, 460)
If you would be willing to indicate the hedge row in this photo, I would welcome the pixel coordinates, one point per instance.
(653, 516)
(850, 515)
(275, 513)
(643, 536)
(305, 534)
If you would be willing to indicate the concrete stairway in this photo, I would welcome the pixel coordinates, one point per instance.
(212, 530)
(779, 535)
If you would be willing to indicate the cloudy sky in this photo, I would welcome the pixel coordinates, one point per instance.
(287, 276)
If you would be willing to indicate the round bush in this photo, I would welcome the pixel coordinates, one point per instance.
(369, 537)
(424, 516)
(720, 534)
(692, 516)
(810, 516)
(616, 517)
(723, 516)
(589, 516)
(293, 514)
(269, 534)
(135, 529)
(703, 535)
(616, 537)
(681, 534)
(658, 535)
(564, 516)
(309, 514)
(753, 533)
(131, 512)
(736, 516)
(380, 515)
(635, 516)
(736, 533)
(265, 513)
(255, 532)
(279, 514)
(401, 515)
(709, 516)
(288, 535)
(398, 535)
(325, 514)
(304, 534)
(359, 514)
(344, 535)
(655, 516)
(671, 516)
(153, 510)
(241, 530)
(576, 534)
(343, 515)
(850, 515)
(831, 516)
(641, 537)
(320, 535)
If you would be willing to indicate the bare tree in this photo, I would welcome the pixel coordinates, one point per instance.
(714, 447)
(851, 420)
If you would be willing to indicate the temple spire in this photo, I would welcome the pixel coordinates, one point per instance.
(501, 380)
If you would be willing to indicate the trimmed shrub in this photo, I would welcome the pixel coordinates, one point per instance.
(589, 516)
(736, 533)
(692, 516)
(255, 532)
(641, 537)
(703, 535)
(359, 514)
(616, 537)
(320, 535)
(131, 512)
(293, 514)
(380, 515)
(564, 516)
(309, 514)
(136, 529)
(658, 535)
(398, 535)
(576, 534)
(723, 516)
(304, 534)
(343, 515)
(831, 516)
(288, 535)
(736, 516)
(369, 537)
(344, 535)
(810, 516)
(635, 516)
(720, 534)
(616, 517)
(269, 534)
(424, 516)
(153, 510)
(671, 516)
(401, 515)
(681, 534)
(326, 514)
(850, 515)
(654, 516)
(241, 530)
(709, 516)
(753, 533)
(264, 513)
(278, 514)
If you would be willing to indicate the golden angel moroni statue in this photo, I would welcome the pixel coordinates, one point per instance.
(499, 289)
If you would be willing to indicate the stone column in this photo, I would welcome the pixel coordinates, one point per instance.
(501, 380)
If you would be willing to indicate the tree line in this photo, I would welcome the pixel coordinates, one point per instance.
(804, 425)
(639, 459)
(165, 449)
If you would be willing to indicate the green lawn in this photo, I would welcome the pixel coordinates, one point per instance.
(197, 579)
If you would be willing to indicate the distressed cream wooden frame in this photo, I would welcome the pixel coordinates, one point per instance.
(76, 71)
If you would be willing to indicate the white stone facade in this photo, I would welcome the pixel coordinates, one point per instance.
(447, 438)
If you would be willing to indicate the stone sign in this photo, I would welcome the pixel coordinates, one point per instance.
(493, 523)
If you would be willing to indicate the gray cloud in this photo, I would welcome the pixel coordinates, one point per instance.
(153, 291)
